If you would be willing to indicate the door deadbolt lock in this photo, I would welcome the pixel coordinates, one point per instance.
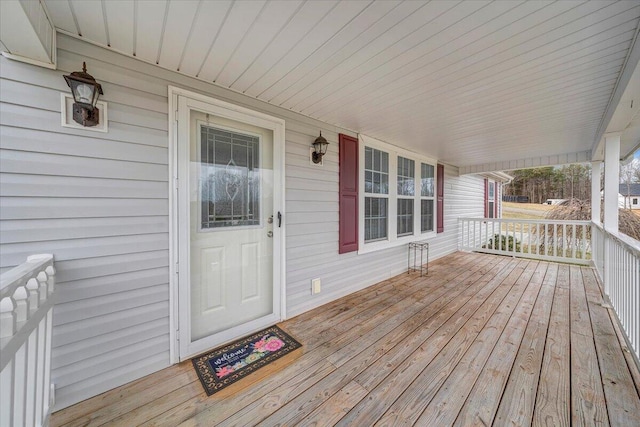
(270, 220)
(269, 233)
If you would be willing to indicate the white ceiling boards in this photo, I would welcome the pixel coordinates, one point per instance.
(469, 83)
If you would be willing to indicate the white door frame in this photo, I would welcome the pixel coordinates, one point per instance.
(178, 125)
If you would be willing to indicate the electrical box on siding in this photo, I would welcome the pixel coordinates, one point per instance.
(67, 115)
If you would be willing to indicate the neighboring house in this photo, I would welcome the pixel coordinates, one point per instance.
(493, 190)
(199, 180)
(554, 201)
(629, 196)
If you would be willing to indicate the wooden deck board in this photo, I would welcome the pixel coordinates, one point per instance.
(370, 350)
(482, 403)
(516, 406)
(554, 387)
(391, 384)
(481, 340)
(449, 399)
(588, 404)
(324, 343)
(623, 406)
(487, 318)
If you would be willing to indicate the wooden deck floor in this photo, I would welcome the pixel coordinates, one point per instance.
(483, 340)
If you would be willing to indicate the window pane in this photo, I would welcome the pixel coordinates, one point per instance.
(405, 217)
(368, 158)
(491, 190)
(406, 175)
(376, 176)
(491, 209)
(426, 179)
(368, 182)
(375, 218)
(230, 179)
(426, 215)
(384, 184)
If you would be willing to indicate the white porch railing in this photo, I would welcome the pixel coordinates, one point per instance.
(26, 302)
(618, 264)
(550, 240)
(615, 256)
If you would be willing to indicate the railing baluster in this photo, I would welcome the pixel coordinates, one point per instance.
(30, 387)
(19, 386)
(25, 354)
(6, 391)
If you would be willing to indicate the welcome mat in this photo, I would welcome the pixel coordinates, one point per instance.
(233, 362)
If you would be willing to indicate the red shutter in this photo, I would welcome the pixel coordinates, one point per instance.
(440, 198)
(348, 240)
(486, 198)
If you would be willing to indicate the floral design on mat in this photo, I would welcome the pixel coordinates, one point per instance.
(266, 345)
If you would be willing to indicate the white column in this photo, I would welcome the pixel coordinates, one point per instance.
(596, 205)
(611, 181)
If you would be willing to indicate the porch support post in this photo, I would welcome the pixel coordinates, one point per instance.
(596, 205)
(611, 180)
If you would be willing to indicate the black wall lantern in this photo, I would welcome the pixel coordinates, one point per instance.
(86, 92)
(319, 148)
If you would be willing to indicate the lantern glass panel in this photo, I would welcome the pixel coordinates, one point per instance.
(321, 147)
(85, 93)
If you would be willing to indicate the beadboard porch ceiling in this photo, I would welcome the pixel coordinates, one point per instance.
(468, 83)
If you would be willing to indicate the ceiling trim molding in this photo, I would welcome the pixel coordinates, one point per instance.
(532, 162)
(628, 68)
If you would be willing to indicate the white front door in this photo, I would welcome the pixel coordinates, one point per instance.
(229, 229)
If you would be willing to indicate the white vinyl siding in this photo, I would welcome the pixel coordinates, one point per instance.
(99, 203)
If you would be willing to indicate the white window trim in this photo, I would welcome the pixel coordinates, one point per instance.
(432, 198)
(392, 226)
(491, 199)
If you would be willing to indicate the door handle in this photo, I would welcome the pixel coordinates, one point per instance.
(269, 233)
(279, 219)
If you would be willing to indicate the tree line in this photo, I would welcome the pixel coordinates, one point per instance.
(540, 184)
(566, 182)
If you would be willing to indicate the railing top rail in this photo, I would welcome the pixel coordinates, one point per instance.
(17, 276)
(629, 243)
(529, 221)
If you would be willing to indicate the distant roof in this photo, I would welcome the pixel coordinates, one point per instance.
(498, 176)
(634, 189)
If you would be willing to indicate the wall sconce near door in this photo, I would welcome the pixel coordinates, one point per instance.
(86, 92)
(320, 146)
